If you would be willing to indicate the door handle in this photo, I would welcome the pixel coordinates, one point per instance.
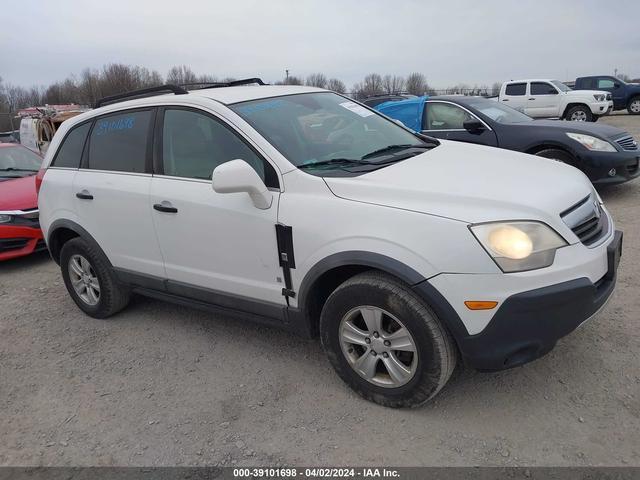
(84, 195)
(165, 207)
(505, 99)
(532, 99)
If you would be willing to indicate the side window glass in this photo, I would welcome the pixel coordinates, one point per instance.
(70, 152)
(605, 83)
(445, 116)
(194, 144)
(542, 88)
(119, 142)
(516, 89)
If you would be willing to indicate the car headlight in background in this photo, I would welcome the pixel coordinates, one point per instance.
(519, 246)
(592, 143)
(600, 97)
(5, 218)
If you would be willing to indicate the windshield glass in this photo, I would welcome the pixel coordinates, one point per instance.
(17, 161)
(498, 112)
(561, 86)
(320, 127)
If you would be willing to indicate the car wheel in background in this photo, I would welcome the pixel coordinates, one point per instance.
(90, 280)
(579, 113)
(634, 106)
(557, 155)
(385, 343)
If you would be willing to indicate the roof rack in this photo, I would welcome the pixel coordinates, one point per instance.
(233, 83)
(143, 92)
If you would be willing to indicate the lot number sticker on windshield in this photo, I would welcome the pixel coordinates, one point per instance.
(355, 108)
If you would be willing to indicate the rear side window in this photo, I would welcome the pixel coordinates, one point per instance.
(605, 83)
(542, 88)
(119, 142)
(516, 89)
(70, 152)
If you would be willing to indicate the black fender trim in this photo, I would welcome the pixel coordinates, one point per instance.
(68, 224)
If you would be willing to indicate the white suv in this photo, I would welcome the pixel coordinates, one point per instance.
(298, 207)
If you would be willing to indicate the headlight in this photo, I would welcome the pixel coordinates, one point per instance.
(599, 97)
(592, 143)
(5, 218)
(519, 246)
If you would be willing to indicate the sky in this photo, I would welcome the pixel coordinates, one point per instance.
(451, 42)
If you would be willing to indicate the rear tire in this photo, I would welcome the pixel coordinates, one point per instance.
(90, 280)
(386, 313)
(634, 106)
(579, 113)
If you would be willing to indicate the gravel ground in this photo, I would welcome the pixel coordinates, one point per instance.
(160, 384)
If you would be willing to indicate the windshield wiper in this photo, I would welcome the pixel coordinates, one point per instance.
(400, 146)
(11, 169)
(337, 161)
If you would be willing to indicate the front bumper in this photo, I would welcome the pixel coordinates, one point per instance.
(601, 108)
(17, 241)
(598, 166)
(527, 323)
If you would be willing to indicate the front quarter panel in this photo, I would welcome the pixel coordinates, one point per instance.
(324, 225)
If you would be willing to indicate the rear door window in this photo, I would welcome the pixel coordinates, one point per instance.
(70, 152)
(605, 83)
(514, 89)
(542, 88)
(120, 142)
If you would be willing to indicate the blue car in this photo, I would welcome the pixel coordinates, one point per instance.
(606, 154)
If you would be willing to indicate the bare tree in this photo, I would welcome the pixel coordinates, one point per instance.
(337, 85)
(416, 84)
(495, 89)
(317, 80)
(181, 74)
(371, 85)
(393, 84)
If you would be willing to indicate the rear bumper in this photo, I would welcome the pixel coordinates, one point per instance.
(528, 324)
(17, 241)
(598, 166)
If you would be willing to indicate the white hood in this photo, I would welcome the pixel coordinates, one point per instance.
(582, 93)
(471, 183)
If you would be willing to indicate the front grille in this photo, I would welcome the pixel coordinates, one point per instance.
(627, 143)
(587, 220)
(7, 244)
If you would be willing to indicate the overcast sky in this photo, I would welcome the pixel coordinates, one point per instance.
(451, 41)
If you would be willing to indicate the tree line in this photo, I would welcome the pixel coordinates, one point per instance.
(111, 79)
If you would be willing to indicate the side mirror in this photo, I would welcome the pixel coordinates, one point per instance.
(616, 85)
(237, 176)
(473, 125)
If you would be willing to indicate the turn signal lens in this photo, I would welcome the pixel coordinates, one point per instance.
(480, 304)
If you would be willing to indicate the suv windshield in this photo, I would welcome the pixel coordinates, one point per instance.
(560, 86)
(499, 113)
(17, 161)
(329, 132)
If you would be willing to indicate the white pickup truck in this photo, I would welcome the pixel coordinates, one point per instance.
(553, 99)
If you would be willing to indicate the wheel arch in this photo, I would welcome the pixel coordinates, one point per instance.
(326, 275)
(575, 104)
(61, 231)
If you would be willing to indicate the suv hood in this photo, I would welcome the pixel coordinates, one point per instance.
(471, 183)
(18, 193)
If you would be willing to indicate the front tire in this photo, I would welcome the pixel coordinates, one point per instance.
(634, 106)
(579, 113)
(90, 280)
(385, 343)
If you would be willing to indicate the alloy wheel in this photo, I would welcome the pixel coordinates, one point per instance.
(579, 116)
(378, 346)
(635, 106)
(84, 280)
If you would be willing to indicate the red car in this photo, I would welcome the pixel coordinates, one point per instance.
(20, 232)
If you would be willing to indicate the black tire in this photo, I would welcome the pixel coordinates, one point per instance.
(436, 353)
(581, 110)
(113, 296)
(634, 106)
(557, 155)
